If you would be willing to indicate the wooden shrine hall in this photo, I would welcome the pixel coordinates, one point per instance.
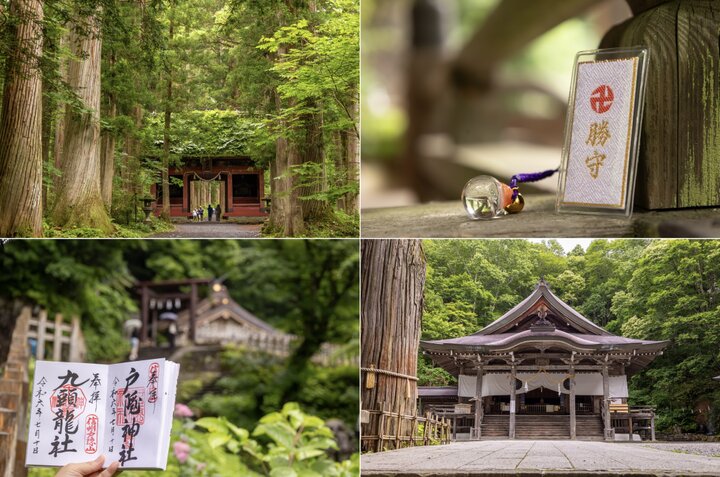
(241, 187)
(542, 370)
(215, 319)
(168, 296)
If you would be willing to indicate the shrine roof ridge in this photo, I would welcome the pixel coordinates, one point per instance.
(542, 290)
(508, 340)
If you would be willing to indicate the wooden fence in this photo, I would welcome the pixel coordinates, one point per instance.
(65, 341)
(397, 430)
(637, 419)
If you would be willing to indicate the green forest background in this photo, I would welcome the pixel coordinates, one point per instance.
(275, 81)
(242, 424)
(646, 289)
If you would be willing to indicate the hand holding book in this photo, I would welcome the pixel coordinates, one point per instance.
(89, 469)
(124, 411)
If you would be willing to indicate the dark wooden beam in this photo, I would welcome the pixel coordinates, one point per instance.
(506, 31)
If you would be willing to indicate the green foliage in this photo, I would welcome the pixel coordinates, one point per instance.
(251, 383)
(201, 133)
(655, 290)
(338, 224)
(288, 443)
(285, 443)
(132, 230)
(429, 375)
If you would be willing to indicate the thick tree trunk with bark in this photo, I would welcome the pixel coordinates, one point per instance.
(107, 163)
(352, 153)
(294, 224)
(79, 201)
(166, 130)
(314, 210)
(393, 283)
(286, 214)
(166, 155)
(278, 203)
(21, 126)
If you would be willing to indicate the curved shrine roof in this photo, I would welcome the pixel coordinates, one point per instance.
(542, 320)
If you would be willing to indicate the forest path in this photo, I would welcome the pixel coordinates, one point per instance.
(212, 230)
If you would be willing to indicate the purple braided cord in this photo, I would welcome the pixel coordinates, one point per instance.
(532, 177)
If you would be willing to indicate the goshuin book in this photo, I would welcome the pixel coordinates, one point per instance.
(124, 411)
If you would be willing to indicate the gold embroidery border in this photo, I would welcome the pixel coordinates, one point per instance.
(623, 197)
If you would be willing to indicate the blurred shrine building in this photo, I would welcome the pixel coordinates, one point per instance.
(542, 370)
(174, 307)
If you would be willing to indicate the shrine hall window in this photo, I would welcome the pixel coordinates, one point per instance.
(245, 185)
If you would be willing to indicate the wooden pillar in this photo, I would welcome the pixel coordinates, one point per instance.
(144, 308)
(573, 428)
(513, 404)
(57, 338)
(154, 327)
(186, 193)
(606, 402)
(193, 306)
(75, 340)
(223, 197)
(261, 186)
(229, 188)
(42, 324)
(477, 431)
(652, 427)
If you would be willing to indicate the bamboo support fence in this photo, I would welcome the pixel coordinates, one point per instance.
(396, 430)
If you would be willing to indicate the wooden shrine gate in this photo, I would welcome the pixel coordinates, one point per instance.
(52, 338)
(241, 187)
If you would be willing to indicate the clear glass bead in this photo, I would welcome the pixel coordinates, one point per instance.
(484, 198)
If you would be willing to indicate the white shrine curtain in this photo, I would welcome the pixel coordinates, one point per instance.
(585, 384)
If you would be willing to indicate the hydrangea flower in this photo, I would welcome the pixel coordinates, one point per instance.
(182, 451)
(181, 410)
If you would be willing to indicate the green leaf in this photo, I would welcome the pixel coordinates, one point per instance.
(283, 472)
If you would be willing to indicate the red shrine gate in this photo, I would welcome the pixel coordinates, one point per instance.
(242, 186)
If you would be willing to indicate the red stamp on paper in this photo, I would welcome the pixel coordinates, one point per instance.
(602, 99)
(91, 434)
(153, 378)
(70, 400)
(130, 407)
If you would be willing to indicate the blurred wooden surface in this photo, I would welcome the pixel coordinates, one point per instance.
(538, 220)
(679, 163)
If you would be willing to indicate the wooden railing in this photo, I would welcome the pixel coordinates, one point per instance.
(284, 345)
(396, 430)
(640, 419)
(65, 341)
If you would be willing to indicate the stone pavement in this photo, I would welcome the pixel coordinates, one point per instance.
(520, 457)
(212, 230)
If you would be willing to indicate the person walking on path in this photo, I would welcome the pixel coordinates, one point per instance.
(218, 212)
(210, 212)
(200, 210)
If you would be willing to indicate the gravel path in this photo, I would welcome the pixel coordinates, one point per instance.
(711, 449)
(212, 230)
